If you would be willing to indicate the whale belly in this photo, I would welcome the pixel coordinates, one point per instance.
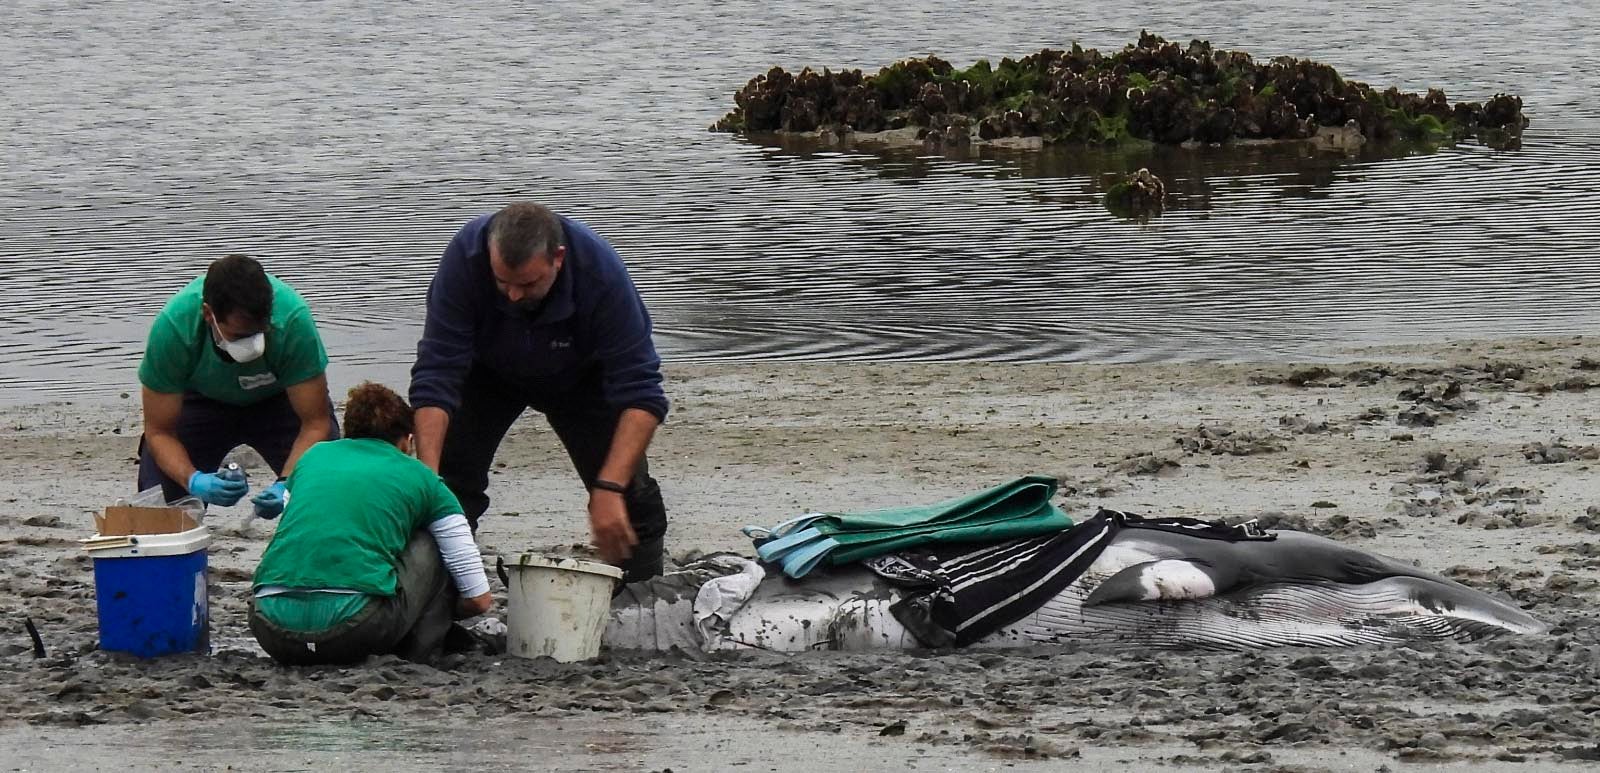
(1325, 614)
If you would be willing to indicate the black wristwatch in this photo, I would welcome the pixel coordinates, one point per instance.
(608, 485)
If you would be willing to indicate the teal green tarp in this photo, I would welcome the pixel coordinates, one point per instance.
(1019, 508)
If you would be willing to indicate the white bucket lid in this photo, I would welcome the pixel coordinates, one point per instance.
(533, 561)
(146, 545)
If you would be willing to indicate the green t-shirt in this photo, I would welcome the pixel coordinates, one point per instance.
(353, 505)
(180, 356)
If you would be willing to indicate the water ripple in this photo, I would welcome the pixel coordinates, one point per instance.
(344, 147)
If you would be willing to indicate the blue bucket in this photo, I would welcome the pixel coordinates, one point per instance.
(150, 591)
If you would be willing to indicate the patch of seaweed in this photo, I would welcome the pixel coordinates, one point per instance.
(1154, 91)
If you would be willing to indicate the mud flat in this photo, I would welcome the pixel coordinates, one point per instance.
(1476, 459)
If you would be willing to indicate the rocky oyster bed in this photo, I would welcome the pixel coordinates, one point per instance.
(1152, 91)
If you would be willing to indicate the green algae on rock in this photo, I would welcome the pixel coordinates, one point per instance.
(1140, 196)
(1152, 91)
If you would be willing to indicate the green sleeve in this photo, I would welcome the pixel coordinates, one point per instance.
(166, 365)
(440, 501)
(301, 356)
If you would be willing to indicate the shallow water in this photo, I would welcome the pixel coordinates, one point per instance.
(343, 147)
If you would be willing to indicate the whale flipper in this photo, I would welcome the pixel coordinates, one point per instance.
(1168, 579)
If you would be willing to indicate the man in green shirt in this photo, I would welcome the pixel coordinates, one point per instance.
(233, 359)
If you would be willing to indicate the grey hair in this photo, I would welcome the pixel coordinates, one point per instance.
(523, 231)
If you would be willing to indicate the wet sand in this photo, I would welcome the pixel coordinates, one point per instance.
(1474, 459)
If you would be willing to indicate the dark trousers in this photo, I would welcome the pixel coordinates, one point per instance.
(488, 408)
(412, 623)
(210, 429)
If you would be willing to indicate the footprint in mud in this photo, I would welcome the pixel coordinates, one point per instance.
(1225, 440)
(1558, 452)
(1147, 463)
(1339, 526)
(1299, 424)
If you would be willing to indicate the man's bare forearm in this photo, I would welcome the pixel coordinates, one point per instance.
(171, 456)
(311, 433)
(432, 423)
(635, 428)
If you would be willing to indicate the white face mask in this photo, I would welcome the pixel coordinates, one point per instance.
(243, 350)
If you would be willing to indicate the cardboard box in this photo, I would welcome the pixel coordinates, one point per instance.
(119, 521)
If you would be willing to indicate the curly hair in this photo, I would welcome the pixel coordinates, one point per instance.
(375, 411)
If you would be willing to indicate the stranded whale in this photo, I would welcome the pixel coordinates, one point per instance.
(1145, 588)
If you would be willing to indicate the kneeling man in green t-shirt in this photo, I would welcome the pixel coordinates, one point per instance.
(233, 359)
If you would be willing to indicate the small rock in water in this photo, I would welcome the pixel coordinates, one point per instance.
(1140, 196)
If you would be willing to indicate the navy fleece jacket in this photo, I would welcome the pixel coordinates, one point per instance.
(589, 340)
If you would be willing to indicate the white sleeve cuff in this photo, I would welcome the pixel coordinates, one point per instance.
(460, 554)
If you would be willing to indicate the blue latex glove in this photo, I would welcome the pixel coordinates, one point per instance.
(214, 490)
(269, 503)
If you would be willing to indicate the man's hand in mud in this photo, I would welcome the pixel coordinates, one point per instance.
(609, 530)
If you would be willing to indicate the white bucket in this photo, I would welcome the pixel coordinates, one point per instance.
(557, 607)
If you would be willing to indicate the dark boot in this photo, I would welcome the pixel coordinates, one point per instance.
(647, 561)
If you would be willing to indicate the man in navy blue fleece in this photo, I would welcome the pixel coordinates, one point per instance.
(529, 309)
